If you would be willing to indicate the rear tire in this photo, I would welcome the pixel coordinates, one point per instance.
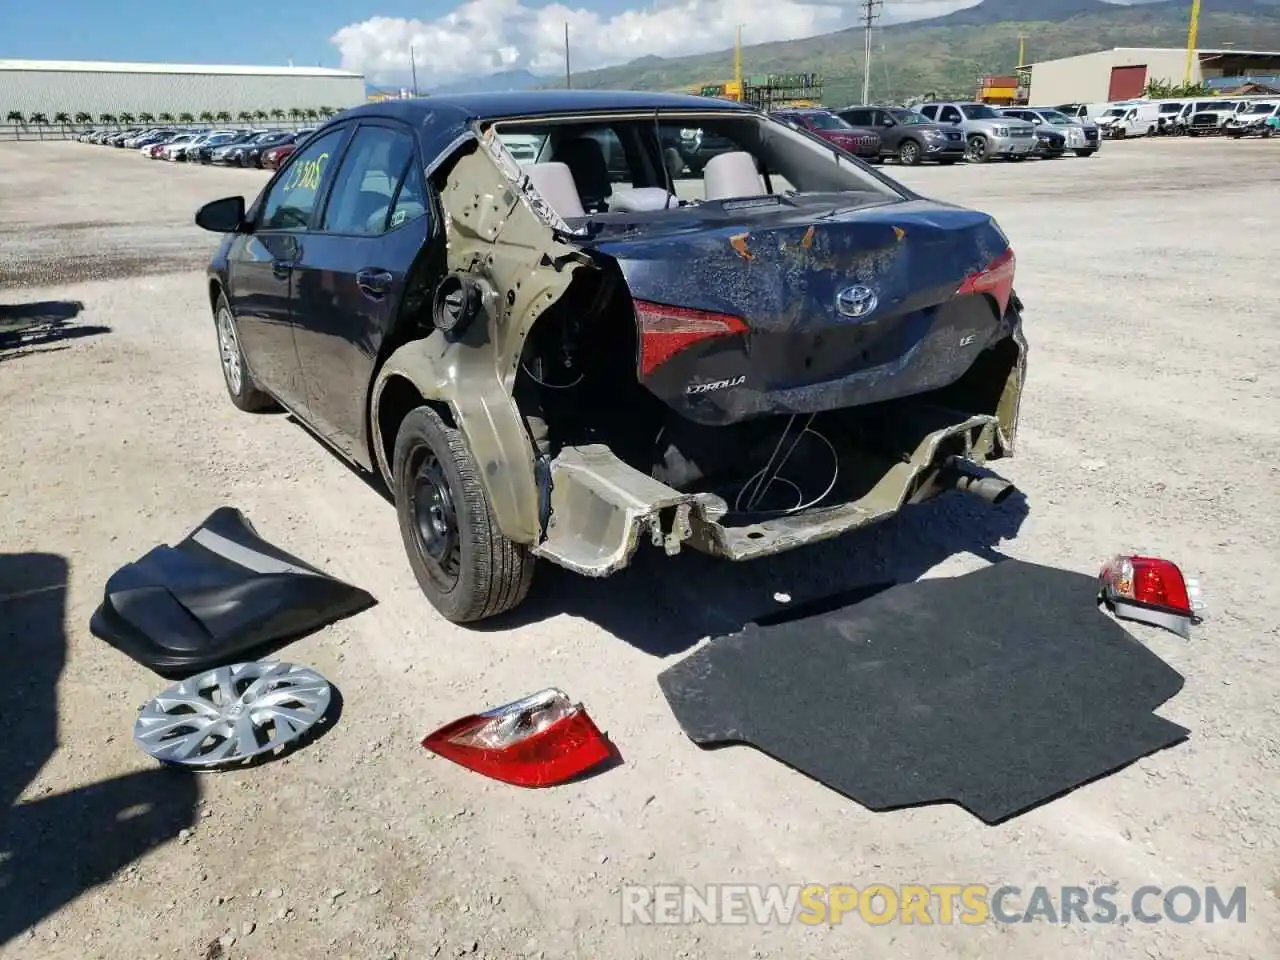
(464, 564)
(244, 392)
(1085, 153)
(909, 153)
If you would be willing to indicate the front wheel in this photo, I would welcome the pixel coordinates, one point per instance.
(978, 150)
(1085, 153)
(464, 564)
(909, 153)
(242, 389)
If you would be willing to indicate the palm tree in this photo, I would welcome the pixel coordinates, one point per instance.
(327, 112)
(224, 116)
(186, 118)
(166, 118)
(17, 119)
(38, 120)
(64, 119)
(146, 118)
(126, 118)
(313, 114)
(83, 118)
(206, 116)
(107, 118)
(259, 114)
(295, 114)
(244, 116)
(277, 114)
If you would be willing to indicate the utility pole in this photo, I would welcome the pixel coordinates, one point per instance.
(870, 13)
(737, 63)
(413, 65)
(568, 74)
(1193, 29)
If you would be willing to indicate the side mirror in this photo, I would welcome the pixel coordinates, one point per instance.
(1037, 121)
(222, 216)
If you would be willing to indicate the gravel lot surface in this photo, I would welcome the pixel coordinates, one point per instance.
(1151, 423)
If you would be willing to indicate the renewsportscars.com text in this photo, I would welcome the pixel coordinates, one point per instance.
(923, 904)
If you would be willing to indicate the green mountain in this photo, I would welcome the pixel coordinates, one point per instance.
(947, 55)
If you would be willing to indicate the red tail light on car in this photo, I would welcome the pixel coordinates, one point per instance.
(665, 331)
(1150, 590)
(540, 741)
(996, 279)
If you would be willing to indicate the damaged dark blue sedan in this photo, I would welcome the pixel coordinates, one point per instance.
(553, 331)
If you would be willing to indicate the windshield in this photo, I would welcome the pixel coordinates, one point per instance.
(1114, 112)
(978, 111)
(1170, 107)
(1262, 108)
(909, 117)
(827, 121)
(1056, 118)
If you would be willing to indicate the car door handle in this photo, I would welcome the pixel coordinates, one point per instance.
(374, 284)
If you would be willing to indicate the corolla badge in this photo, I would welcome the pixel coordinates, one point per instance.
(857, 301)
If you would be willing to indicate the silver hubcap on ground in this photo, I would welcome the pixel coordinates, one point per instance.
(229, 347)
(230, 714)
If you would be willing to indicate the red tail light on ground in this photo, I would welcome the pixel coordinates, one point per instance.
(1151, 590)
(996, 280)
(539, 741)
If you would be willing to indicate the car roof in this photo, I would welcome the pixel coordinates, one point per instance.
(528, 103)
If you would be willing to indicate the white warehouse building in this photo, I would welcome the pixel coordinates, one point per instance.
(71, 87)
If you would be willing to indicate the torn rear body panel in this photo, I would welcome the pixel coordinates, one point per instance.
(742, 375)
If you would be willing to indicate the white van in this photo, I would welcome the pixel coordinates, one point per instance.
(1083, 111)
(1132, 118)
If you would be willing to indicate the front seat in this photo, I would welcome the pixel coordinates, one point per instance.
(584, 156)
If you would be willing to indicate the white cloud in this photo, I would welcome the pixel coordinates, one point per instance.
(486, 36)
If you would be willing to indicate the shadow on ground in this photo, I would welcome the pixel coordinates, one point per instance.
(664, 605)
(37, 327)
(56, 846)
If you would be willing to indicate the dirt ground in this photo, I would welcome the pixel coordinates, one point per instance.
(1151, 423)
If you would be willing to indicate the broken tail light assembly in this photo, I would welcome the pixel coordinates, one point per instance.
(665, 331)
(996, 280)
(1152, 591)
(540, 741)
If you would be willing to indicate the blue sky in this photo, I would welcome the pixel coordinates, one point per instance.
(451, 40)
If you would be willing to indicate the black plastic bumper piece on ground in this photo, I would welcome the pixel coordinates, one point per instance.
(219, 595)
(998, 690)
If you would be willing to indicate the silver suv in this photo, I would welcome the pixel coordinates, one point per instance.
(987, 134)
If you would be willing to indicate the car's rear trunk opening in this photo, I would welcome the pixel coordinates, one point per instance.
(607, 440)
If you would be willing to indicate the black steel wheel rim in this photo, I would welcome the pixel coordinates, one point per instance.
(435, 517)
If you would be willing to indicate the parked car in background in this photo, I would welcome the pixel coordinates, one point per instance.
(222, 154)
(907, 135)
(1083, 111)
(250, 154)
(1050, 144)
(223, 138)
(862, 142)
(1168, 116)
(986, 133)
(1136, 118)
(1211, 117)
(1082, 136)
(1252, 121)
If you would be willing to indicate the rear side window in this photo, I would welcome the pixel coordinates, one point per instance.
(292, 199)
(365, 188)
(859, 118)
(931, 112)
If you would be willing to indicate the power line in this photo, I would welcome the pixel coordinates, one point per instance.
(870, 13)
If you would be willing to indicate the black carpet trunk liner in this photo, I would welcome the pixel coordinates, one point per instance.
(997, 690)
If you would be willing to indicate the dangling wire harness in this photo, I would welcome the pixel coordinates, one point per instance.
(759, 483)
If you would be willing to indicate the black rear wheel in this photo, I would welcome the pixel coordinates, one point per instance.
(464, 564)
